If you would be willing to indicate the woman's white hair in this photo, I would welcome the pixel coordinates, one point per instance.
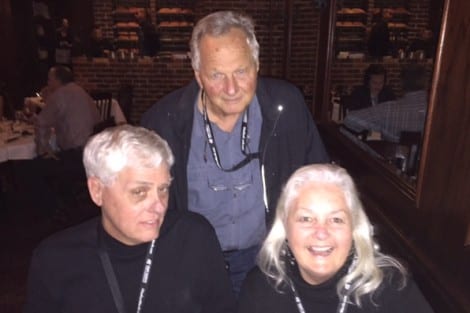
(218, 24)
(109, 151)
(366, 273)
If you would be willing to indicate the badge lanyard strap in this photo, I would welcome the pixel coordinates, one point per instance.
(211, 140)
(112, 280)
(342, 305)
(300, 307)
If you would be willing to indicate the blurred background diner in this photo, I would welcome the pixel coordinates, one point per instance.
(373, 91)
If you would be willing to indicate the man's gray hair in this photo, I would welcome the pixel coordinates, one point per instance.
(109, 151)
(218, 24)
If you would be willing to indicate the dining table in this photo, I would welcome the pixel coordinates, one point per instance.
(16, 141)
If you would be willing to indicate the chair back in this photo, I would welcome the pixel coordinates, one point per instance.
(103, 101)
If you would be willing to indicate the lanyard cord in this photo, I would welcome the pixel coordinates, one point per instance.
(243, 140)
(111, 276)
(342, 305)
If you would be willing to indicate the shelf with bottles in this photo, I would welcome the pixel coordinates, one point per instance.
(175, 18)
(126, 27)
(175, 25)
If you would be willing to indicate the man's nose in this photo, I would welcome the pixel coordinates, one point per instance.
(231, 85)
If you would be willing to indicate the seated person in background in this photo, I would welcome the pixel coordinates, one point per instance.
(68, 109)
(320, 255)
(137, 255)
(373, 91)
(62, 128)
(391, 118)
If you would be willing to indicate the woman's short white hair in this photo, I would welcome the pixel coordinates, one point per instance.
(366, 274)
(109, 151)
(218, 24)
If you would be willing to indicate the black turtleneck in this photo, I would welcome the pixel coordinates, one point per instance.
(258, 295)
(188, 272)
(128, 264)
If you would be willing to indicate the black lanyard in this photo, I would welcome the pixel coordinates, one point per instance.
(342, 305)
(111, 276)
(243, 140)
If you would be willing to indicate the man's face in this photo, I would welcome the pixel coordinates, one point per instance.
(227, 73)
(134, 205)
(376, 83)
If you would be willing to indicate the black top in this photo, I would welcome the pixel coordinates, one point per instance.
(188, 272)
(259, 295)
(360, 97)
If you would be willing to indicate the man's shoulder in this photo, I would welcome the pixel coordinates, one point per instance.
(74, 239)
(274, 92)
(276, 85)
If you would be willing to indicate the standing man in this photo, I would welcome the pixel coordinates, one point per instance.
(236, 137)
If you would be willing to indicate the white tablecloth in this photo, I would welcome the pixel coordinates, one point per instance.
(116, 112)
(13, 145)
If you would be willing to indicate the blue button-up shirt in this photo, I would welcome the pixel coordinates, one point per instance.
(231, 201)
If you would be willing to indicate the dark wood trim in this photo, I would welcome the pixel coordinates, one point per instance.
(289, 5)
(444, 190)
(429, 226)
(325, 55)
(398, 224)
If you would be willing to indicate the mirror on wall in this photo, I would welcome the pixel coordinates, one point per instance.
(380, 75)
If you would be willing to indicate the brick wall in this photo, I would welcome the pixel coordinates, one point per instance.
(151, 78)
(154, 78)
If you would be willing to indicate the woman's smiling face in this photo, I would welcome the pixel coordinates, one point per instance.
(319, 231)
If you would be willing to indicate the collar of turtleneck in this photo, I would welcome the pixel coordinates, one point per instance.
(324, 292)
(117, 249)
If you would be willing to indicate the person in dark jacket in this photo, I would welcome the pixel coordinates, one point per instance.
(372, 92)
(236, 137)
(320, 255)
(379, 44)
(136, 256)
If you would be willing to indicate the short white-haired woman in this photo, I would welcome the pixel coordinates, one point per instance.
(320, 255)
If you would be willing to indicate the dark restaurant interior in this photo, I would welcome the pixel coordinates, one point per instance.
(416, 190)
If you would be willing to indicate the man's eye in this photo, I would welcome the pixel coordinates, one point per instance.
(217, 76)
(163, 190)
(139, 192)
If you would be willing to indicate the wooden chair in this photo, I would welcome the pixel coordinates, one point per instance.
(103, 101)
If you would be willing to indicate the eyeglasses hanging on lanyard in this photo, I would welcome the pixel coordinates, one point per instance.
(243, 140)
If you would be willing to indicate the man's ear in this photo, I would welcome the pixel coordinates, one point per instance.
(95, 188)
(197, 75)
